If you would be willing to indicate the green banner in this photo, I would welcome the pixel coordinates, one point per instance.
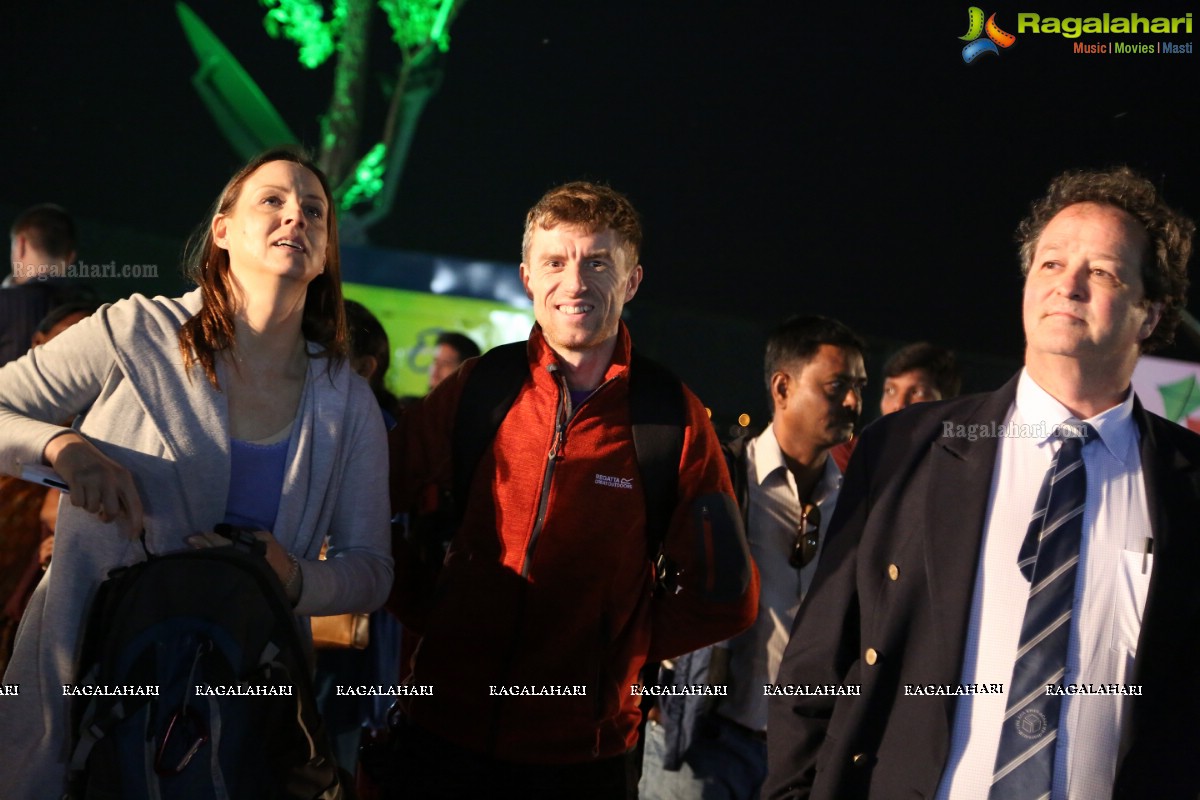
(413, 321)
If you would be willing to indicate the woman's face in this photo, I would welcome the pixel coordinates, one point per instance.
(279, 226)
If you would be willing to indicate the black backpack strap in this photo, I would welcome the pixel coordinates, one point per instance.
(735, 459)
(487, 395)
(658, 413)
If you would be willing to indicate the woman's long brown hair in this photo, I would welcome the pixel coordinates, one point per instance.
(207, 265)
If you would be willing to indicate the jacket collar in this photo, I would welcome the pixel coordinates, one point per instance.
(542, 356)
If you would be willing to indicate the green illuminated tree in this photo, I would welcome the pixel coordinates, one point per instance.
(364, 180)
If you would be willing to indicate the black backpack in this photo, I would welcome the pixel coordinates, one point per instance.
(182, 624)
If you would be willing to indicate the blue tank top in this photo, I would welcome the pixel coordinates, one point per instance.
(255, 483)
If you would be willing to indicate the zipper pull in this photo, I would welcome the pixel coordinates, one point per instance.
(561, 415)
(557, 445)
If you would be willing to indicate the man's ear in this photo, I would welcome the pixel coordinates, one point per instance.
(633, 282)
(780, 387)
(1154, 312)
(525, 280)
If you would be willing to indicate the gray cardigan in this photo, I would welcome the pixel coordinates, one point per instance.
(122, 373)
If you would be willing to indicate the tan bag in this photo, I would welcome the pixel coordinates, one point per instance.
(340, 631)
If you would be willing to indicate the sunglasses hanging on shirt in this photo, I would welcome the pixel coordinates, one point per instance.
(808, 536)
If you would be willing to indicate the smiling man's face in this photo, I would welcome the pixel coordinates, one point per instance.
(579, 282)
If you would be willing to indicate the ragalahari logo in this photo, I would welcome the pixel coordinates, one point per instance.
(976, 27)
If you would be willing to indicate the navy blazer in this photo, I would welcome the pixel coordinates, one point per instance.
(891, 601)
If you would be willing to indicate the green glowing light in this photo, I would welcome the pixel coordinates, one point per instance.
(415, 22)
(340, 28)
(439, 33)
(303, 22)
(368, 178)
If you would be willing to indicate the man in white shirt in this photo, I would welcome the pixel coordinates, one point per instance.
(787, 485)
(1009, 583)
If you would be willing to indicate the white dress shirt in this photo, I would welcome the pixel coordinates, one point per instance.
(1110, 595)
(771, 531)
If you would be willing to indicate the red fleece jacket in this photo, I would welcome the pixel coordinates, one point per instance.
(567, 601)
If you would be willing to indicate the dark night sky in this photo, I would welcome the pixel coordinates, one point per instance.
(785, 156)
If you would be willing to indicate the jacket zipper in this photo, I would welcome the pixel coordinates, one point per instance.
(562, 415)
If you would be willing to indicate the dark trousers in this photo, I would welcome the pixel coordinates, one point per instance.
(426, 767)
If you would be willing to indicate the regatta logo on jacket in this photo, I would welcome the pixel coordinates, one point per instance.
(613, 481)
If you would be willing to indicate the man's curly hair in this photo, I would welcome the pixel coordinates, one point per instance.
(1168, 235)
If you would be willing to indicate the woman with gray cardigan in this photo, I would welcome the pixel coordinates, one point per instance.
(234, 403)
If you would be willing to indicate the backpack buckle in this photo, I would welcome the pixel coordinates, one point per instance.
(666, 575)
(194, 732)
(242, 538)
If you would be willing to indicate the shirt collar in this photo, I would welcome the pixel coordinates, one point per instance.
(1038, 408)
(768, 457)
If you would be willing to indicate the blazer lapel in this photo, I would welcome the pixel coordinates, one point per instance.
(960, 478)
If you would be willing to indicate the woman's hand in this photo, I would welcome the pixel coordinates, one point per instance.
(280, 561)
(98, 484)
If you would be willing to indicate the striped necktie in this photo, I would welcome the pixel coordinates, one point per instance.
(1048, 558)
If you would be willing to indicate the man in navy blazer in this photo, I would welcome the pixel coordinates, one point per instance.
(895, 681)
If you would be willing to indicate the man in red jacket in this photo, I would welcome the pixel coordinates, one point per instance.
(545, 607)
